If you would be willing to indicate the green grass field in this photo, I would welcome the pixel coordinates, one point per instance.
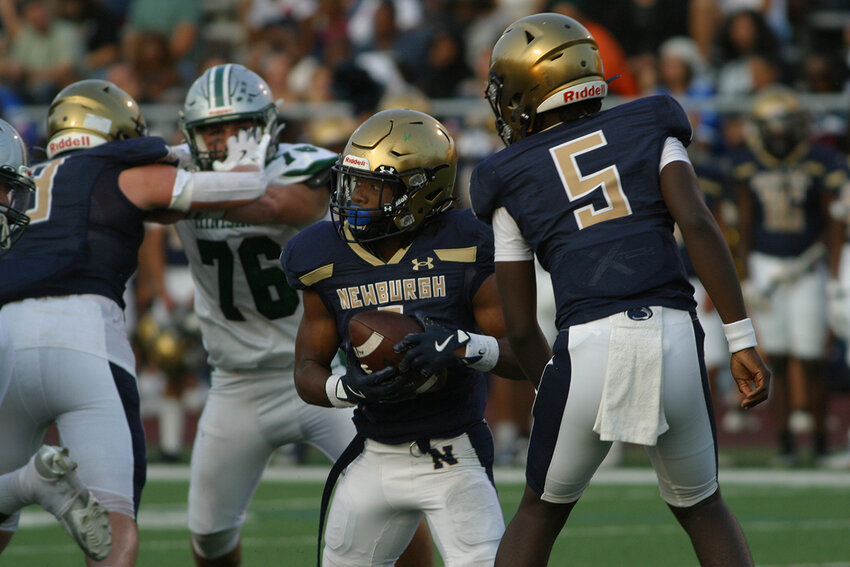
(799, 518)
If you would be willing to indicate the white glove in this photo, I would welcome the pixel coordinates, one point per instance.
(836, 309)
(243, 149)
(180, 156)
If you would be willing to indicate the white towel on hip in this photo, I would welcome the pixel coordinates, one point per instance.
(632, 405)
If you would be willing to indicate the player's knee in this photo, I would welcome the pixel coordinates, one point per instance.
(690, 497)
(211, 546)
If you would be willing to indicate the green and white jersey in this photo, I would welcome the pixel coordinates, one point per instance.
(248, 313)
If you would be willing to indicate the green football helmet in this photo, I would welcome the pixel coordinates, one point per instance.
(226, 93)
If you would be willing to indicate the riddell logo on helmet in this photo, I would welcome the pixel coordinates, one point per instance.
(74, 141)
(356, 162)
(575, 93)
(67, 143)
(582, 92)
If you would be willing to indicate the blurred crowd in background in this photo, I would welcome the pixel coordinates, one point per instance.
(333, 63)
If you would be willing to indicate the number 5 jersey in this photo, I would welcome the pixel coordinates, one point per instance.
(586, 197)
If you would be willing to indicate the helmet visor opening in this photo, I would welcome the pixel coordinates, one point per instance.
(365, 203)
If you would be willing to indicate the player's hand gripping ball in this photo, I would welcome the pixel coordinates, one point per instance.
(373, 335)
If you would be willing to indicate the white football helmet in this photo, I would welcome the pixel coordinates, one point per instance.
(16, 186)
(227, 93)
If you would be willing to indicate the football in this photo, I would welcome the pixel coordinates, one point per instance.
(373, 334)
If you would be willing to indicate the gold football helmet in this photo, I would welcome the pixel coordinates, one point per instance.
(403, 151)
(777, 123)
(541, 62)
(89, 113)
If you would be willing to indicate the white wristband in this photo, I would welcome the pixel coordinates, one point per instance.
(485, 347)
(740, 335)
(332, 387)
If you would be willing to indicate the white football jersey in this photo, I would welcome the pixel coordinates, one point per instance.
(248, 313)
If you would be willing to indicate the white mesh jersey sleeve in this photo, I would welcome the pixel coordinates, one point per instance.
(296, 163)
(248, 314)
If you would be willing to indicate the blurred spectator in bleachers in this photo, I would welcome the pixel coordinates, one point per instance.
(386, 55)
(176, 20)
(826, 73)
(684, 74)
(260, 14)
(156, 68)
(640, 26)
(747, 55)
(45, 52)
(444, 66)
(351, 80)
(482, 21)
(328, 23)
(275, 67)
(613, 57)
(124, 75)
(99, 31)
(362, 17)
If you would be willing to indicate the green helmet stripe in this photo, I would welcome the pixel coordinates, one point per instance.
(218, 85)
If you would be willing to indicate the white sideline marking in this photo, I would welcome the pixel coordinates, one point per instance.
(620, 476)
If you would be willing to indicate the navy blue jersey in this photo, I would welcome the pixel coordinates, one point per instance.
(437, 275)
(84, 235)
(586, 196)
(788, 215)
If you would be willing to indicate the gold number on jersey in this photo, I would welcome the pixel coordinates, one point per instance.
(782, 195)
(578, 185)
(43, 176)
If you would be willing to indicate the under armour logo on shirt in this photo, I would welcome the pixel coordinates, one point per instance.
(428, 263)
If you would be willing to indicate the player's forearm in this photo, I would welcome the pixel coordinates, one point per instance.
(294, 205)
(713, 264)
(532, 353)
(310, 379)
(508, 366)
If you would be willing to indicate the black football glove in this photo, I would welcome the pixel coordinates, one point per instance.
(431, 350)
(385, 385)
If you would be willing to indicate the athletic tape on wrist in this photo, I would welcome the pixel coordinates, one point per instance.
(215, 187)
(486, 347)
(331, 387)
(740, 335)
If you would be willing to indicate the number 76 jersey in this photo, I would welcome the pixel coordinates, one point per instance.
(248, 313)
(586, 197)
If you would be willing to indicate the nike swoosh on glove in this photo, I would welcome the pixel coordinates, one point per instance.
(432, 350)
(384, 386)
